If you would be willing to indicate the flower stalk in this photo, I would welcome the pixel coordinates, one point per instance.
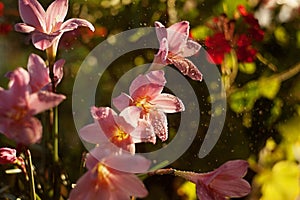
(31, 176)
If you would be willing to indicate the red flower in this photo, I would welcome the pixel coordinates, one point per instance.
(5, 28)
(245, 52)
(1, 9)
(217, 47)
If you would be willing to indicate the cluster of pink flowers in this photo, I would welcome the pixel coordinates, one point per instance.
(226, 37)
(113, 162)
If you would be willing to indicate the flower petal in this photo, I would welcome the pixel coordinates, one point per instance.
(149, 85)
(161, 31)
(105, 116)
(190, 48)
(127, 163)
(24, 28)
(186, 67)
(58, 70)
(8, 155)
(122, 101)
(32, 13)
(44, 100)
(177, 36)
(168, 103)
(130, 185)
(43, 41)
(26, 131)
(39, 73)
(92, 133)
(144, 132)
(74, 23)
(160, 125)
(55, 14)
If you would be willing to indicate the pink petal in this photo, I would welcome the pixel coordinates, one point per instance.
(58, 70)
(39, 73)
(231, 187)
(105, 116)
(56, 13)
(131, 116)
(190, 48)
(149, 85)
(19, 80)
(26, 131)
(130, 185)
(186, 67)
(168, 103)
(74, 23)
(127, 163)
(7, 155)
(204, 193)
(177, 36)
(87, 188)
(24, 28)
(43, 41)
(163, 51)
(44, 100)
(32, 13)
(144, 132)
(161, 31)
(160, 125)
(122, 101)
(92, 133)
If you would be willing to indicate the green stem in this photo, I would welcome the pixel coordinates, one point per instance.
(266, 62)
(283, 76)
(51, 55)
(31, 176)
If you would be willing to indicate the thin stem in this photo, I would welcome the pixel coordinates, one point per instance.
(283, 76)
(168, 171)
(31, 176)
(266, 62)
(51, 56)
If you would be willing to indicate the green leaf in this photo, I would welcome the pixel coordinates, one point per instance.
(268, 87)
(247, 68)
(281, 183)
(200, 32)
(244, 99)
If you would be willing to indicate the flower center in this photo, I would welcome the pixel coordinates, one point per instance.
(103, 174)
(17, 113)
(143, 103)
(119, 136)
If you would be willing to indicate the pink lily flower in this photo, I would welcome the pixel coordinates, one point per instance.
(101, 181)
(8, 156)
(175, 46)
(223, 183)
(39, 73)
(145, 92)
(47, 27)
(116, 129)
(18, 105)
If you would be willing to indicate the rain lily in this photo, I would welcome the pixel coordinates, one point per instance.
(146, 94)
(119, 130)
(39, 73)
(223, 183)
(18, 105)
(175, 46)
(47, 27)
(102, 181)
(8, 156)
